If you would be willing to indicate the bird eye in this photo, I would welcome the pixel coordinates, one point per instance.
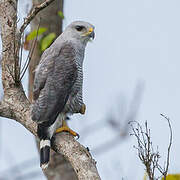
(79, 28)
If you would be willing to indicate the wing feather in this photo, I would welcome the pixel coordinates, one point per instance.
(54, 79)
(41, 73)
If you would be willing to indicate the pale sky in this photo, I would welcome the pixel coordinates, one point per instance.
(135, 40)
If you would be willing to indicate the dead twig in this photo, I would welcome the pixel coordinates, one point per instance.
(169, 147)
(146, 153)
(28, 60)
(33, 12)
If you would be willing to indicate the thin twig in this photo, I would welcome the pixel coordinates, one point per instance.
(14, 50)
(10, 72)
(169, 147)
(146, 153)
(33, 12)
(30, 54)
(27, 62)
(20, 58)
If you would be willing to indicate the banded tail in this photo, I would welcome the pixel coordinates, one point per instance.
(45, 146)
(45, 132)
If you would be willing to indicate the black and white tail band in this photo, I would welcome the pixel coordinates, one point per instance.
(44, 153)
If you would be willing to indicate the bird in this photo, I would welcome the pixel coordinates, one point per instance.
(57, 89)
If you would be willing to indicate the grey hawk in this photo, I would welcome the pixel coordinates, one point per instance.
(58, 84)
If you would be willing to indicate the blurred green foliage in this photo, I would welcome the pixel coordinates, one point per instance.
(36, 32)
(46, 41)
(60, 13)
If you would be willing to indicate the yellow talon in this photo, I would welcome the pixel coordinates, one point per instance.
(65, 128)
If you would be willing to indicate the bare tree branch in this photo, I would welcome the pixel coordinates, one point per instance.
(169, 147)
(146, 153)
(78, 156)
(35, 10)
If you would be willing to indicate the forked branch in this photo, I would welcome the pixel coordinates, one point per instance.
(146, 153)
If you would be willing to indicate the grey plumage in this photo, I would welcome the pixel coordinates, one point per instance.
(59, 78)
(53, 84)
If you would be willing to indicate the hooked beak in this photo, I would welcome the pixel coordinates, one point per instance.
(91, 33)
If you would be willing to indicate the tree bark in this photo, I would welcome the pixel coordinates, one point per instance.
(15, 104)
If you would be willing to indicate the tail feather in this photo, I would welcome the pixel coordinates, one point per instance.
(44, 153)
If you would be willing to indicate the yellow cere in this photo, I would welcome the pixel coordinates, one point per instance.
(89, 32)
(91, 29)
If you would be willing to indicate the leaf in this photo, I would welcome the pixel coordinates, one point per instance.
(47, 40)
(60, 13)
(172, 177)
(33, 33)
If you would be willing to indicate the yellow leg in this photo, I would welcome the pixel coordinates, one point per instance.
(65, 128)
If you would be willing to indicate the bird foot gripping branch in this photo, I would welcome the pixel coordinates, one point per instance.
(65, 128)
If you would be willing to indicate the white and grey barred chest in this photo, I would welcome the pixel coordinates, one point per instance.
(75, 99)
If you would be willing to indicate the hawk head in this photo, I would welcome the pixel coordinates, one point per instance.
(80, 30)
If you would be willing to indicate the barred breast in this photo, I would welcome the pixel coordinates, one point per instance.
(75, 100)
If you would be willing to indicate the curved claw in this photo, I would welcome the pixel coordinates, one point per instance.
(78, 136)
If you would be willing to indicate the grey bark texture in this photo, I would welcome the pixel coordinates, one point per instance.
(15, 104)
